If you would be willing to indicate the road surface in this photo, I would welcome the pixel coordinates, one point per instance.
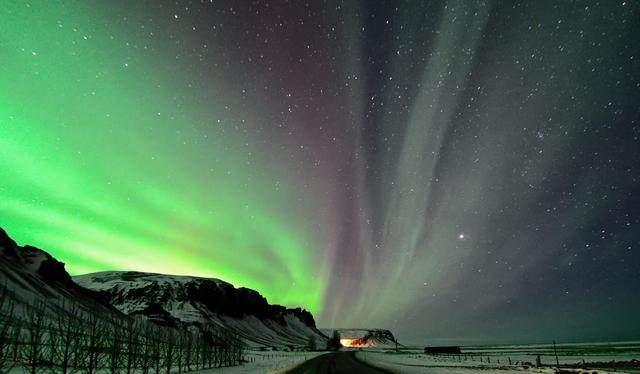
(335, 363)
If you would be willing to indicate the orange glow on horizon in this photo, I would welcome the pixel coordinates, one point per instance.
(346, 342)
(353, 343)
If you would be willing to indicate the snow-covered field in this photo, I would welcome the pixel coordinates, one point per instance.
(267, 362)
(603, 357)
(258, 362)
(418, 363)
(411, 363)
(567, 353)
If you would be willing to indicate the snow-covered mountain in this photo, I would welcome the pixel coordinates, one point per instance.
(171, 299)
(34, 275)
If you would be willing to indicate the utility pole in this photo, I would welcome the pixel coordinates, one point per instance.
(555, 351)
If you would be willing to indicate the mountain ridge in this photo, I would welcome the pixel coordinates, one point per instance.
(197, 301)
(35, 275)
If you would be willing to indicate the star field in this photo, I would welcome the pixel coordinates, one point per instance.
(460, 171)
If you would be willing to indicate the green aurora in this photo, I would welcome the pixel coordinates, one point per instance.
(457, 172)
(99, 148)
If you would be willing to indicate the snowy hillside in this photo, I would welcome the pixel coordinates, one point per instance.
(170, 299)
(69, 328)
(33, 274)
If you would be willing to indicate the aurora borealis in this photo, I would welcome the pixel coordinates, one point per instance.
(453, 171)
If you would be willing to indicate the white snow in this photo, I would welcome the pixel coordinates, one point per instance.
(409, 363)
(267, 362)
(259, 362)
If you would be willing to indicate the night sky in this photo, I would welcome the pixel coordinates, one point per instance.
(453, 171)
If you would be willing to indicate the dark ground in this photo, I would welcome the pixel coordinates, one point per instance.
(337, 362)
